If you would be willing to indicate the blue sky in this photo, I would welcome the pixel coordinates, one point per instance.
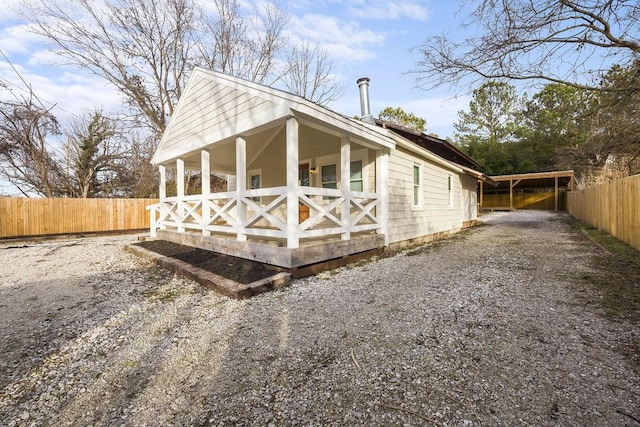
(364, 38)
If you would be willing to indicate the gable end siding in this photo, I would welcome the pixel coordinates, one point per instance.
(208, 107)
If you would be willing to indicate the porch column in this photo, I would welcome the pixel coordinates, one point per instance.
(241, 185)
(205, 178)
(180, 192)
(163, 182)
(382, 180)
(345, 185)
(293, 236)
(162, 193)
(481, 195)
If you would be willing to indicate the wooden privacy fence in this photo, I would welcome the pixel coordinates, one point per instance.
(613, 207)
(540, 200)
(22, 217)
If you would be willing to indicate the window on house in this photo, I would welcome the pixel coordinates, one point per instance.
(357, 183)
(255, 182)
(450, 182)
(329, 178)
(417, 185)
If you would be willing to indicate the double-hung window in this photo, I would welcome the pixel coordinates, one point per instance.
(255, 182)
(357, 183)
(417, 185)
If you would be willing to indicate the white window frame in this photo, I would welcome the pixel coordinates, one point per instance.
(330, 159)
(414, 186)
(363, 177)
(450, 186)
(250, 173)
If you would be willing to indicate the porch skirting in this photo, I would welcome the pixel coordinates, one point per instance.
(308, 253)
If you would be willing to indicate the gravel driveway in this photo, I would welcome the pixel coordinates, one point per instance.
(497, 326)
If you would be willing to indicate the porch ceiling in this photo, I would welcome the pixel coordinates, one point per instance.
(313, 141)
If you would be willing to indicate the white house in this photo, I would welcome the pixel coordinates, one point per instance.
(306, 184)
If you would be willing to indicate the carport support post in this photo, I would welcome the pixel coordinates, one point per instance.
(293, 238)
(180, 192)
(206, 190)
(511, 194)
(345, 185)
(241, 186)
(556, 193)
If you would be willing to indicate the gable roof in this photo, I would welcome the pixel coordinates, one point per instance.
(216, 107)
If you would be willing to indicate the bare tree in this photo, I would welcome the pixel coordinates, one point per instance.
(25, 152)
(568, 41)
(243, 43)
(141, 47)
(308, 72)
(136, 176)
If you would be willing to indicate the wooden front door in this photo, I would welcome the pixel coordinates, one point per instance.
(303, 180)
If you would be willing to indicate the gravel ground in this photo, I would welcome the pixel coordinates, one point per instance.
(498, 326)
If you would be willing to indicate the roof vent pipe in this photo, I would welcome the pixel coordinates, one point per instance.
(363, 84)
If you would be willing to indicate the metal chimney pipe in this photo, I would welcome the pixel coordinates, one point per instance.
(363, 85)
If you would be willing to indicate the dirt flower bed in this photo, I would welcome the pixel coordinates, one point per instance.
(237, 269)
(504, 325)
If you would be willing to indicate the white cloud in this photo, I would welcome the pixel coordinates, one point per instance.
(378, 9)
(343, 40)
(10, 10)
(69, 93)
(18, 39)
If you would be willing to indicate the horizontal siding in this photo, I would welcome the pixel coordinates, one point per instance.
(209, 107)
(469, 194)
(435, 215)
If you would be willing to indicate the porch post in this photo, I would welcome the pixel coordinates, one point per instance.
(293, 237)
(205, 178)
(163, 182)
(162, 193)
(382, 180)
(241, 185)
(345, 185)
(180, 191)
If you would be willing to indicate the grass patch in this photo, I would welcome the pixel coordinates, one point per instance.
(611, 244)
(618, 275)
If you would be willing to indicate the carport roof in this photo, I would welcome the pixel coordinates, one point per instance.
(536, 180)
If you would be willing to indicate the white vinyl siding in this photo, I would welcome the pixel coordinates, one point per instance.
(222, 104)
(405, 221)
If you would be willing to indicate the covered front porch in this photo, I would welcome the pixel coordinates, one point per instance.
(299, 191)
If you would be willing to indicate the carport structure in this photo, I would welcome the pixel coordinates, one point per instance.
(543, 190)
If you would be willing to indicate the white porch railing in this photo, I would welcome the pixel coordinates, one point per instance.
(262, 213)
